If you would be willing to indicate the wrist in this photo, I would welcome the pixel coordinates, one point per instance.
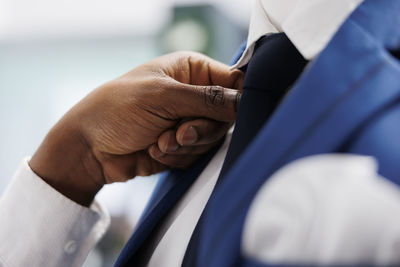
(66, 162)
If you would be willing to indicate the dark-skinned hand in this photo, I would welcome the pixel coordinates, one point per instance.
(132, 126)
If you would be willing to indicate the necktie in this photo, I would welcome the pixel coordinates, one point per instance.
(274, 67)
(272, 70)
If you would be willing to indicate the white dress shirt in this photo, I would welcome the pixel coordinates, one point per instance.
(176, 230)
(62, 234)
(309, 24)
(41, 227)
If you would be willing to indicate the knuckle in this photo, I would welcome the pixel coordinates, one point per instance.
(214, 95)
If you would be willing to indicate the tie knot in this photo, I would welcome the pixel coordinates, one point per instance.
(274, 66)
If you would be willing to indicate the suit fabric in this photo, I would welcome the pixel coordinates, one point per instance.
(347, 100)
(258, 102)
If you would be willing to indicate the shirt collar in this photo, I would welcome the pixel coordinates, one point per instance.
(309, 24)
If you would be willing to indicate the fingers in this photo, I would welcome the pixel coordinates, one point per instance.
(167, 142)
(201, 132)
(194, 133)
(213, 102)
(191, 85)
(198, 69)
(120, 168)
(207, 71)
(181, 147)
(209, 90)
(174, 161)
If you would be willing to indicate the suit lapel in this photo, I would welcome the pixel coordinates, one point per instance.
(169, 190)
(166, 182)
(335, 96)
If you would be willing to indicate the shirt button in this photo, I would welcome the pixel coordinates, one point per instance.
(70, 247)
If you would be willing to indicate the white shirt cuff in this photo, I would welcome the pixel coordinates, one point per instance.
(41, 227)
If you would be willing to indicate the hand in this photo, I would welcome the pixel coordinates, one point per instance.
(180, 147)
(106, 136)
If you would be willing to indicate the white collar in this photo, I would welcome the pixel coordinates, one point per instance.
(309, 24)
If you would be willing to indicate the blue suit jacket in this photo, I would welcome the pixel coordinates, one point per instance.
(347, 100)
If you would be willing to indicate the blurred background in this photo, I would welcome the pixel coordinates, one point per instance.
(54, 52)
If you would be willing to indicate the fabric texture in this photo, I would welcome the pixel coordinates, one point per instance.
(261, 95)
(136, 240)
(346, 101)
(170, 189)
(334, 210)
(172, 238)
(309, 24)
(41, 227)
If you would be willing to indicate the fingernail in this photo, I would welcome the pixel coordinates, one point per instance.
(190, 136)
(157, 153)
(172, 145)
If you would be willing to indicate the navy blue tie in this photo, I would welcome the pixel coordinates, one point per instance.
(274, 67)
(272, 70)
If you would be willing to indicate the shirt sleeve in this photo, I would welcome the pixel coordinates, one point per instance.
(41, 227)
(332, 209)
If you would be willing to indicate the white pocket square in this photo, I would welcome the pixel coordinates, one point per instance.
(325, 209)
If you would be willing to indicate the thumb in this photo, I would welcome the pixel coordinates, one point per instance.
(208, 101)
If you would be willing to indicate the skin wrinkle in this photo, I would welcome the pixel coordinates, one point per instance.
(189, 68)
(87, 163)
(215, 96)
(157, 114)
(108, 131)
(122, 120)
(210, 79)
